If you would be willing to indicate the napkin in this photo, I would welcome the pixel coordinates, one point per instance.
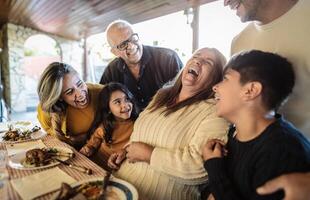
(35, 185)
(23, 147)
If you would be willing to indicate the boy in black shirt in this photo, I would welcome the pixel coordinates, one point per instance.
(261, 144)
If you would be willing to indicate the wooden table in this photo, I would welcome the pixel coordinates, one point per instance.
(79, 159)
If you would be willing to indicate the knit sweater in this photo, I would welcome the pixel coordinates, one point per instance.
(279, 149)
(288, 36)
(176, 165)
(120, 136)
(76, 121)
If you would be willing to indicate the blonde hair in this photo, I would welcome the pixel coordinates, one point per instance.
(49, 91)
(50, 86)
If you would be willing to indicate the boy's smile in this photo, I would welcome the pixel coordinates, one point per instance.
(228, 94)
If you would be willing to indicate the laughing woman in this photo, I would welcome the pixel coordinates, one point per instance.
(67, 103)
(164, 155)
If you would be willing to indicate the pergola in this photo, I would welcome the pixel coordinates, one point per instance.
(77, 19)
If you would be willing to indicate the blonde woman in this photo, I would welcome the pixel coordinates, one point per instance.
(67, 103)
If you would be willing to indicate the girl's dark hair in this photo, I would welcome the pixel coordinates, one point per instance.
(167, 96)
(103, 114)
(273, 71)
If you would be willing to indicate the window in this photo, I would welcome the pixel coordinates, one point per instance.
(218, 26)
(39, 52)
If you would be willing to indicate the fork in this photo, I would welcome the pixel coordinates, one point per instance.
(105, 185)
(80, 168)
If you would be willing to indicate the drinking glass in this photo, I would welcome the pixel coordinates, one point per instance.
(4, 176)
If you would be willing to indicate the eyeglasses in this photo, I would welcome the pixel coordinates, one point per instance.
(134, 38)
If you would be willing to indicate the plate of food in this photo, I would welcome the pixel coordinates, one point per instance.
(116, 189)
(19, 131)
(40, 158)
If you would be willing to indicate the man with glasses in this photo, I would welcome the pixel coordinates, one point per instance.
(143, 69)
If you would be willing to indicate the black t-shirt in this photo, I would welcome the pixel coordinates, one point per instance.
(280, 149)
(158, 66)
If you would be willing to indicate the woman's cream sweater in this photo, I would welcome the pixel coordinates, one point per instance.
(176, 167)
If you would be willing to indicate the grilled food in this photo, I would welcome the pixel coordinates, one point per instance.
(40, 157)
(16, 134)
(90, 191)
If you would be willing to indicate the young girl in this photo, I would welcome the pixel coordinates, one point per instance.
(113, 124)
(261, 145)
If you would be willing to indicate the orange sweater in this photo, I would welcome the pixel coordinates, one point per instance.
(120, 137)
(76, 121)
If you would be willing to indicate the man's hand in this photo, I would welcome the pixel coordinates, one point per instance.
(296, 186)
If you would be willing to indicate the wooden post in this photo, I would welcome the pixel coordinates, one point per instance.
(195, 28)
(85, 60)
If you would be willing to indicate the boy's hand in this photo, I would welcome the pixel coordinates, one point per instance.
(213, 149)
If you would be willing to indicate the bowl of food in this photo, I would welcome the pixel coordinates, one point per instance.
(92, 189)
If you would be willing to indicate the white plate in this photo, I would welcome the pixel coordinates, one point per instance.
(117, 189)
(33, 136)
(24, 126)
(16, 160)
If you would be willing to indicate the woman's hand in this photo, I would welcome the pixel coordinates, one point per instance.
(213, 149)
(139, 152)
(77, 141)
(116, 159)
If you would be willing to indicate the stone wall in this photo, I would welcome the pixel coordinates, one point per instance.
(13, 38)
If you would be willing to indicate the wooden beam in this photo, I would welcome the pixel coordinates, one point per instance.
(195, 28)
(85, 60)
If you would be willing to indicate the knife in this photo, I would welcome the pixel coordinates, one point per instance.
(79, 168)
(63, 154)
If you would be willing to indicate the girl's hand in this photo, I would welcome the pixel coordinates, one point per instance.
(213, 149)
(86, 151)
(116, 159)
(139, 152)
